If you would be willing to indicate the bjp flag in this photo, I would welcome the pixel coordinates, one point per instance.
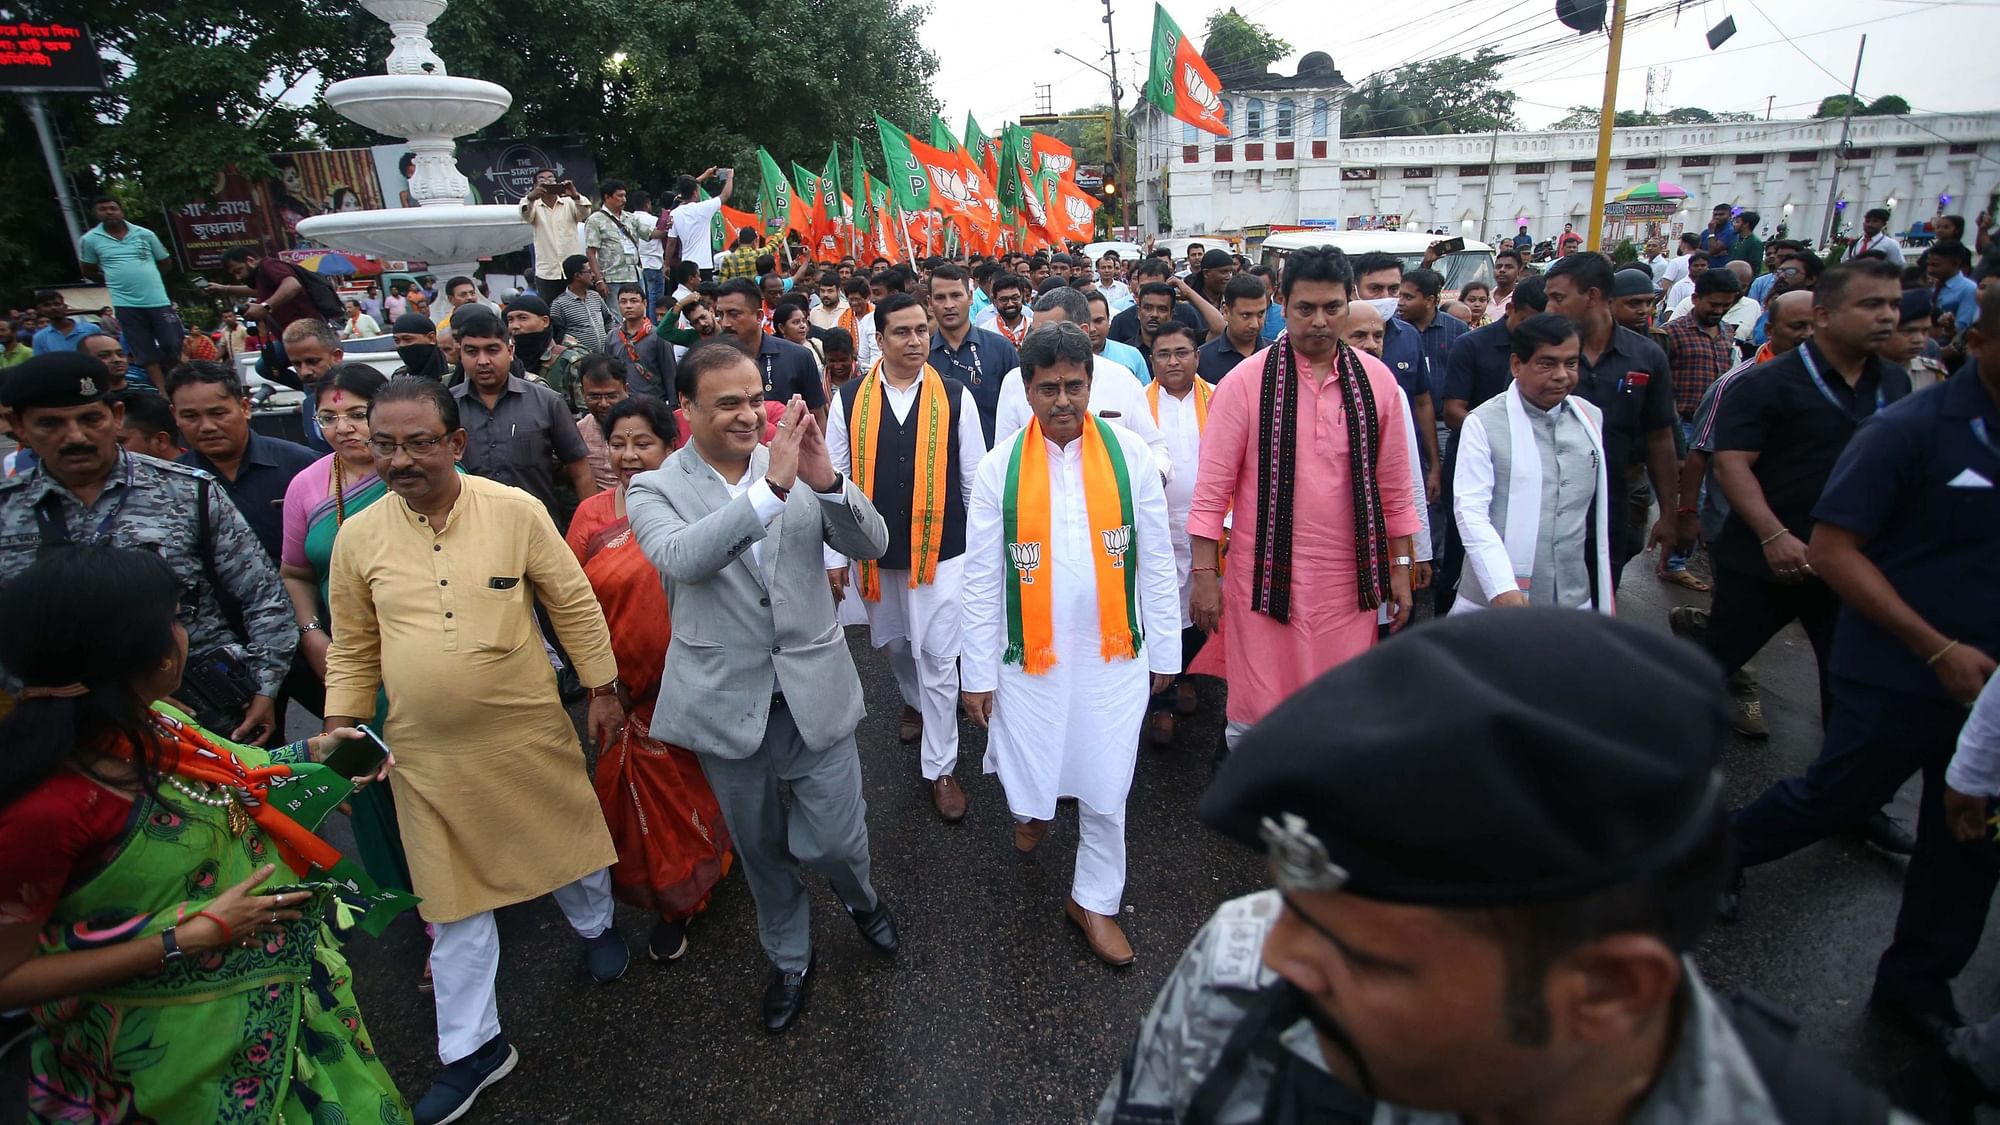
(1074, 217)
(1180, 82)
(1053, 155)
(733, 222)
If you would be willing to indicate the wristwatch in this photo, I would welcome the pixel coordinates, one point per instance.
(1400, 560)
(311, 627)
(172, 947)
(599, 692)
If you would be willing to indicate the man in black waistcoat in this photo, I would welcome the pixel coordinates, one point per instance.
(911, 439)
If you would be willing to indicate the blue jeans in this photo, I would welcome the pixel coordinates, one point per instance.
(655, 282)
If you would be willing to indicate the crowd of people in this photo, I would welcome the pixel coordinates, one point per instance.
(1051, 489)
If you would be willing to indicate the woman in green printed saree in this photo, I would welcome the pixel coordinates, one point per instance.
(320, 499)
(153, 921)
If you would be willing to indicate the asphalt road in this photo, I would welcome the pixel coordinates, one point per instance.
(995, 1012)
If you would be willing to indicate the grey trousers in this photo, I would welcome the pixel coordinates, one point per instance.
(826, 830)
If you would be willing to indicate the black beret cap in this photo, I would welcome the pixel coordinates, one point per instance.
(54, 380)
(1489, 759)
(1634, 282)
(413, 323)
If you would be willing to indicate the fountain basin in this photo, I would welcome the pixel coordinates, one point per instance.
(419, 105)
(440, 232)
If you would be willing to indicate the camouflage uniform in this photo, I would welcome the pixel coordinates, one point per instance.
(150, 505)
(559, 365)
(1709, 1078)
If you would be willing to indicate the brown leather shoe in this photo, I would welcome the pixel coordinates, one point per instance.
(911, 726)
(1185, 698)
(1160, 729)
(1029, 833)
(948, 797)
(1102, 934)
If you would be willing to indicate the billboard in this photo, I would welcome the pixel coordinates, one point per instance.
(51, 55)
(499, 171)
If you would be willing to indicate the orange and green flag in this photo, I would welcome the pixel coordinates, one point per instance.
(1180, 82)
(832, 215)
(1053, 155)
(779, 208)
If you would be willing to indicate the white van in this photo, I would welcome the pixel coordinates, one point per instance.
(1475, 262)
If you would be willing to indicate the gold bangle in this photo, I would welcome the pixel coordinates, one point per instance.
(1767, 540)
(1939, 654)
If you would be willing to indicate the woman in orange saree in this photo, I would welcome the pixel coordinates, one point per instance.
(672, 844)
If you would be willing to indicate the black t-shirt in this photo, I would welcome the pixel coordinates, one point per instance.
(1781, 414)
(1630, 383)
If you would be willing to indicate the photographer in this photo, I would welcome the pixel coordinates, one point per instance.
(554, 208)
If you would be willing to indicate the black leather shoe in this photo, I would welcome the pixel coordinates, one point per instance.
(1928, 1025)
(1886, 833)
(785, 997)
(877, 926)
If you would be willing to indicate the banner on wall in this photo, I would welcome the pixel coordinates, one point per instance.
(497, 171)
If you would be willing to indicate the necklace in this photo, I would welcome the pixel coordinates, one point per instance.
(216, 797)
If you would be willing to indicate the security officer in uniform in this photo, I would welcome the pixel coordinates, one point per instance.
(86, 489)
(1481, 910)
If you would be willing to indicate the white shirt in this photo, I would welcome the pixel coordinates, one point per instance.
(691, 222)
(1658, 264)
(1113, 389)
(865, 349)
(1674, 272)
(1683, 290)
(1887, 244)
(652, 255)
(1742, 316)
(1117, 294)
(1975, 768)
(1179, 425)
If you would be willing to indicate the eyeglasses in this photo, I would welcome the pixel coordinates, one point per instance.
(606, 397)
(328, 419)
(1178, 355)
(415, 447)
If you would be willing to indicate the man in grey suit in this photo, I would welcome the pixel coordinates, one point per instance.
(758, 679)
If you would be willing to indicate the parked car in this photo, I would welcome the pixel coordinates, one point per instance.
(1474, 262)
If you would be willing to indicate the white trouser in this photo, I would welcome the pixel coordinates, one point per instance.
(929, 683)
(1233, 732)
(1099, 883)
(466, 953)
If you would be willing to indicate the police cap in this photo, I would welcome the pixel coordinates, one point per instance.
(55, 380)
(1504, 757)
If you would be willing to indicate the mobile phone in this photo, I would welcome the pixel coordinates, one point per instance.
(202, 283)
(358, 757)
(1453, 245)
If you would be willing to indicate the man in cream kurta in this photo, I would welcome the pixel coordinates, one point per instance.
(1177, 402)
(433, 593)
(918, 623)
(1529, 489)
(1072, 730)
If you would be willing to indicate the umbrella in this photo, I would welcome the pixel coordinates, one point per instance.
(1651, 193)
(332, 263)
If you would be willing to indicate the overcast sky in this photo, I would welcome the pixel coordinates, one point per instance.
(993, 56)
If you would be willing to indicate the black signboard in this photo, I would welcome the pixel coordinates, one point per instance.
(48, 55)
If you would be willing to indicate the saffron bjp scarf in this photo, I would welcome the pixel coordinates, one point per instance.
(1203, 391)
(1278, 410)
(1025, 511)
(933, 471)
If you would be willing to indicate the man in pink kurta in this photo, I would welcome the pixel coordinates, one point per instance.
(1328, 622)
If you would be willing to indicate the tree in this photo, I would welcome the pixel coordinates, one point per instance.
(1586, 117)
(1238, 49)
(195, 87)
(1453, 94)
(1888, 105)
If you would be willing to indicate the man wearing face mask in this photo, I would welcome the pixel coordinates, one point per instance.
(417, 346)
(544, 356)
(1530, 967)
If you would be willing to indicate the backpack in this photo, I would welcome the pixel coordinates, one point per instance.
(320, 292)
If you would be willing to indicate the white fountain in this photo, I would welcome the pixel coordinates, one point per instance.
(419, 102)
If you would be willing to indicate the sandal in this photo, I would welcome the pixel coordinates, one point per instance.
(1684, 579)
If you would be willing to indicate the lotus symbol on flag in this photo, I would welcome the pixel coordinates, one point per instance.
(1117, 541)
(1197, 88)
(1059, 163)
(1027, 558)
(949, 183)
(1079, 212)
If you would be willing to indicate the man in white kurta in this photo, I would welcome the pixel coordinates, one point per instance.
(1529, 492)
(1177, 401)
(918, 623)
(1073, 729)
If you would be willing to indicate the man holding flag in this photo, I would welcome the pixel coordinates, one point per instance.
(1070, 602)
(910, 438)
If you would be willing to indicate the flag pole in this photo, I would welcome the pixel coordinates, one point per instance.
(1606, 119)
